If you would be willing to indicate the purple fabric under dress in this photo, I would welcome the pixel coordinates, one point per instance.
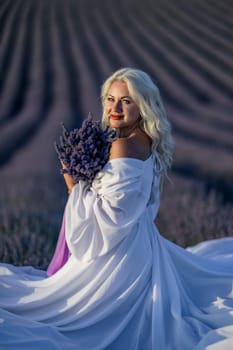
(61, 254)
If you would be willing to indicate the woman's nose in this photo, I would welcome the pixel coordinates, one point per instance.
(117, 107)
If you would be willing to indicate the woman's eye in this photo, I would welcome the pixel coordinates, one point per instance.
(127, 102)
(110, 99)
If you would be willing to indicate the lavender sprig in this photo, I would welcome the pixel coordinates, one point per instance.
(85, 151)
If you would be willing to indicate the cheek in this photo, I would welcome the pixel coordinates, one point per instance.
(133, 112)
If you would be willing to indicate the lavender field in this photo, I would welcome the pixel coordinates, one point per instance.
(54, 56)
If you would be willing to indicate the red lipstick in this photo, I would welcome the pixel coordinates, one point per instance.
(116, 116)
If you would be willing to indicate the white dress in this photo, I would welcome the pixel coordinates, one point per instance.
(124, 285)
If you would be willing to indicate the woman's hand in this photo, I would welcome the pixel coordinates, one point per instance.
(68, 180)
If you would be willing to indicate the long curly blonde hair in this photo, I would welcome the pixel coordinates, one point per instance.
(154, 118)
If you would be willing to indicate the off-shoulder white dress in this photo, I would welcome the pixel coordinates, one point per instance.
(124, 285)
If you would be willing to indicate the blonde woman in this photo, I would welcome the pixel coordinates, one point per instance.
(123, 285)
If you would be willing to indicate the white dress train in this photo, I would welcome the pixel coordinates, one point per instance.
(124, 285)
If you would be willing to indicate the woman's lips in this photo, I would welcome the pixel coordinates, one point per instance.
(116, 116)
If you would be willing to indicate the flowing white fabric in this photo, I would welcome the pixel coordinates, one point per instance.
(124, 285)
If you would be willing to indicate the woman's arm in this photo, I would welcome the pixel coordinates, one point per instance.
(68, 180)
(100, 217)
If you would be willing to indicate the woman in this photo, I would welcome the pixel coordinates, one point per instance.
(123, 286)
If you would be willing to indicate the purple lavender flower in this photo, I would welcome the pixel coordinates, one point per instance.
(85, 151)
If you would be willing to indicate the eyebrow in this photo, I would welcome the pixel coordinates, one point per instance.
(121, 97)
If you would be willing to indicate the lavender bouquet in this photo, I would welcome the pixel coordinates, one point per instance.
(85, 151)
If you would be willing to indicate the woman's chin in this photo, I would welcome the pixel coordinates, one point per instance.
(115, 124)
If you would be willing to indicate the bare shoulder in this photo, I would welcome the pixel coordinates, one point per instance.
(135, 146)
